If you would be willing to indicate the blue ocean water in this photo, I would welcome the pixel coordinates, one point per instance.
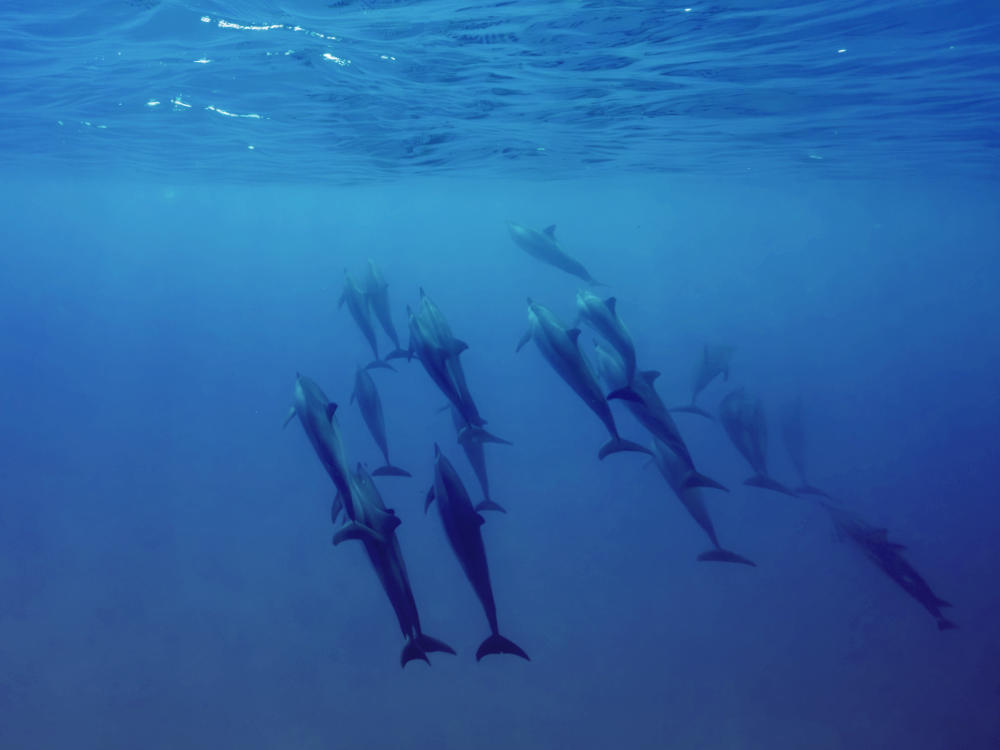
(813, 184)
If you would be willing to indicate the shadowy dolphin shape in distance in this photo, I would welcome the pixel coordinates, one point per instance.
(370, 405)
(888, 556)
(462, 527)
(714, 361)
(377, 291)
(793, 435)
(742, 416)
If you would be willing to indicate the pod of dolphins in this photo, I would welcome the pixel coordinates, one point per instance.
(359, 512)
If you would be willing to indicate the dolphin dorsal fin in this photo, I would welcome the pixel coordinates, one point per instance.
(650, 375)
(331, 409)
(574, 334)
(611, 302)
(550, 231)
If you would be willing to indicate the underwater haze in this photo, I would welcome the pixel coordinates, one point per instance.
(810, 187)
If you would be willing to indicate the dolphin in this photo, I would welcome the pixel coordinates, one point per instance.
(316, 413)
(888, 556)
(742, 416)
(794, 438)
(674, 470)
(651, 412)
(429, 343)
(714, 362)
(461, 525)
(387, 560)
(475, 451)
(545, 247)
(602, 315)
(357, 305)
(559, 346)
(371, 409)
(377, 291)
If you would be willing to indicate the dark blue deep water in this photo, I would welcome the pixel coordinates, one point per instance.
(816, 184)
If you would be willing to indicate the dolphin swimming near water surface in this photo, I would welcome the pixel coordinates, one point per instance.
(371, 410)
(560, 348)
(545, 247)
(462, 526)
(742, 416)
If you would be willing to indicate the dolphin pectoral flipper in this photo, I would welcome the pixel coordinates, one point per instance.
(946, 624)
(523, 340)
(479, 435)
(398, 354)
(379, 363)
(490, 505)
(724, 555)
(355, 530)
(391, 471)
(695, 479)
(411, 652)
(620, 445)
(429, 499)
(808, 489)
(497, 644)
(433, 645)
(768, 484)
(289, 417)
(692, 409)
(626, 394)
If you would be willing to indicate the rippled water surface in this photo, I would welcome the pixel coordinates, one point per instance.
(333, 91)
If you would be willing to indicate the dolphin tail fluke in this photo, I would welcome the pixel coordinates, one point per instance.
(625, 394)
(490, 505)
(724, 555)
(479, 435)
(398, 353)
(497, 644)
(376, 363)
(944, 624)
(620, 445)
(433, 645)
(391, 471)
(767, 483)
(355, 530)
(808, 489)
(692, 409)
(411, 652)
(694, 479)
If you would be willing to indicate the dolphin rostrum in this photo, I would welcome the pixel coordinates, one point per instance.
(462, 527)
(371, 410)
(674, 469)
(545, 247)
(560, 348)
(742, 416)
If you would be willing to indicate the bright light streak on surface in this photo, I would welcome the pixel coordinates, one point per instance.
(339, 60)
(251, 116)
(203, 61)
(152, 103)
(176, 101)
(231, 25)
